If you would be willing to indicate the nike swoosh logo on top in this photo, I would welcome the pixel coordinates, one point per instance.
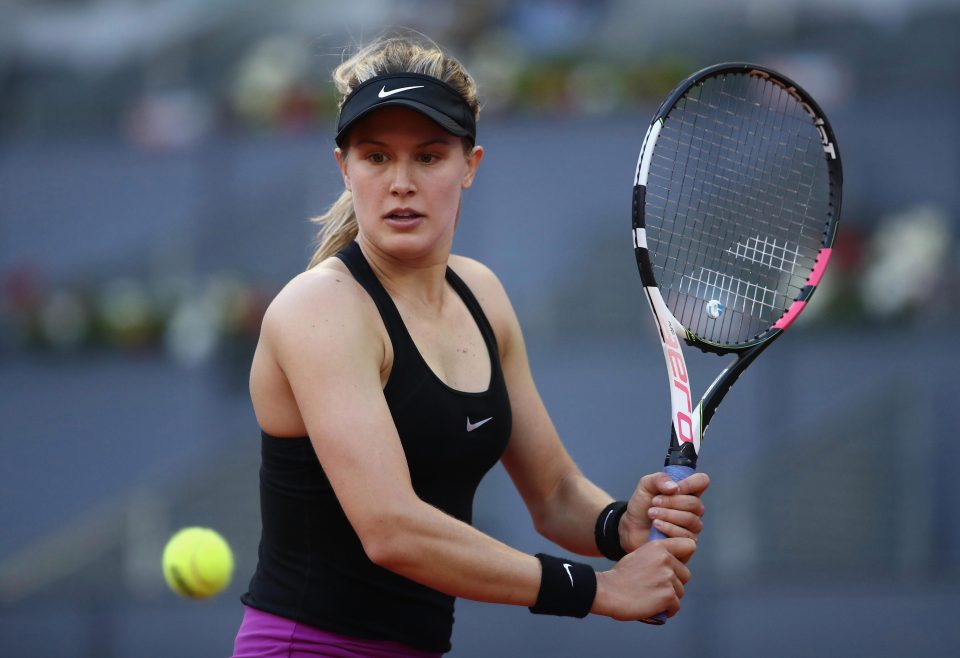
(569, 575)
(383, 93)
(473, 426)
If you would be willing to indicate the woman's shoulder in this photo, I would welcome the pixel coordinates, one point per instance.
(324, 294)
(490, 293)
(481, 280)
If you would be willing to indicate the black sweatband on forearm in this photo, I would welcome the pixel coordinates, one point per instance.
(566, 588)
(607, 530)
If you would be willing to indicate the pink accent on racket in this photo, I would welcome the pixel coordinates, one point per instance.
(789, 316)
(818, 268)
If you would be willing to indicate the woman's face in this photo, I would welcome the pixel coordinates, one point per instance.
(406, 174)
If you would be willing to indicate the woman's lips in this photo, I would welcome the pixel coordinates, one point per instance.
(403, 218)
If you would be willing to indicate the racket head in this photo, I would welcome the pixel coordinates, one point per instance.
(736, 204)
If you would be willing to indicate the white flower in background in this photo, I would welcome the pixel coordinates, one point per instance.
(908, 253)
(192, 334)
(199, 320)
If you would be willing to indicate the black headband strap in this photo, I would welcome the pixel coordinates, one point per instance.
(431, 97)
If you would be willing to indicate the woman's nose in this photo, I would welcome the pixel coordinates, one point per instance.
(402, 182)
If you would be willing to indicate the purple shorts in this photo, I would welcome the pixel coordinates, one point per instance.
(263, 635)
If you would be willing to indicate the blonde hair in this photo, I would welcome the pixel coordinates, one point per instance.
(407, 53)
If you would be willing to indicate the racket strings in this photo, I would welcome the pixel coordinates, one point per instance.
(768, 253)
(736, 198)
(731, 292)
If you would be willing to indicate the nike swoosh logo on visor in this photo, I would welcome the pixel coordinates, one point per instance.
(383, 93)
(473, 426)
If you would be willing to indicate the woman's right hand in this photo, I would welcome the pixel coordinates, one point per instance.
(645, 582)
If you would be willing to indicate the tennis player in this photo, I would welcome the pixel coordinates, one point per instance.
(389, 378)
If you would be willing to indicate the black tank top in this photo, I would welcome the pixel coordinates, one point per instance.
(312, 567)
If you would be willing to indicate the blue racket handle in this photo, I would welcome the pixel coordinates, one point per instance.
(676, 474)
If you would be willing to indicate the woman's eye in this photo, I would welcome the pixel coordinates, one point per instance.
(377, 158)
(428, 158)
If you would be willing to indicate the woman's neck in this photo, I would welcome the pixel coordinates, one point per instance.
(421, 281)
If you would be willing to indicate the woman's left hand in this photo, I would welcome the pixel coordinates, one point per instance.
(675, 508)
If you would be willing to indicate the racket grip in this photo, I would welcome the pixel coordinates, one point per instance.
(676, 474)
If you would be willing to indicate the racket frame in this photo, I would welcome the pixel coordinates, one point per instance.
(689, 422)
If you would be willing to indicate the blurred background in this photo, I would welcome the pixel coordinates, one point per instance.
(160, 161)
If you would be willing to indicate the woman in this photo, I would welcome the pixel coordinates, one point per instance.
(389, 377)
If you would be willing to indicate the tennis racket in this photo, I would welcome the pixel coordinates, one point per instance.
(736, 202)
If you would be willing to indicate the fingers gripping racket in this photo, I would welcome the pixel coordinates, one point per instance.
(735, 207)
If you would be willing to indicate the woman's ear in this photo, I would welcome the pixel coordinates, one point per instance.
(473, 161)
(341, 157)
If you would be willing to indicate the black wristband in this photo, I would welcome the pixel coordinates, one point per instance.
(607, 530)
(567, 588)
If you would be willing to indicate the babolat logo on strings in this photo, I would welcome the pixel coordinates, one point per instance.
(828, 147)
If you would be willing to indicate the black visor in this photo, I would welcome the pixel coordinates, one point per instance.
(431, 97)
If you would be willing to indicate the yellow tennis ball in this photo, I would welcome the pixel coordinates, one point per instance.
(197, 563)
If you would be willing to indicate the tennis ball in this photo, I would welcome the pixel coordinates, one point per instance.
(197, 563)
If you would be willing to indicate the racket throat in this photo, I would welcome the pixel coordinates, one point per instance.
(680, 454)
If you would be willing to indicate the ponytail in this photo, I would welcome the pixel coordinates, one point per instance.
(338, 228)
